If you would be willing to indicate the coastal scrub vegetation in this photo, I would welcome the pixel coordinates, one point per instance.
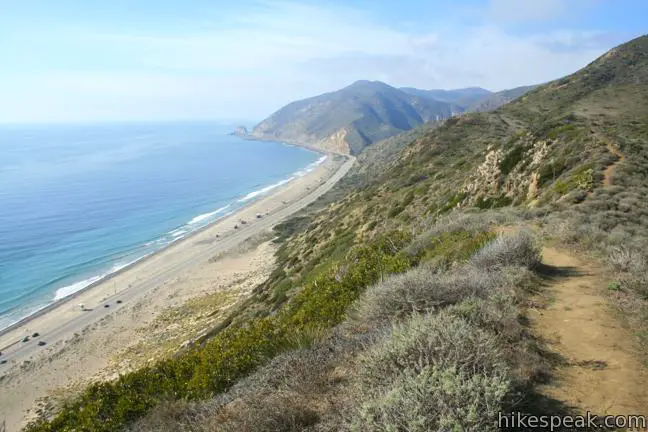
(398, 300)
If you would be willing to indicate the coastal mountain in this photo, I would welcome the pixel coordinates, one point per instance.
(461, 99)
(496, 100)
(472, 99)
(347, 120)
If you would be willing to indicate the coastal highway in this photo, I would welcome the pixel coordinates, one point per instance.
(19, 351)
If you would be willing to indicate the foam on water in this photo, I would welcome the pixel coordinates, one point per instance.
(180, 233)
(297, 174)
(205, 216)
(311, 167)
(264, 190)
(68, 290)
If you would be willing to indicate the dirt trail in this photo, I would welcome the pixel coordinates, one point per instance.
(609, 171)
(602, 371)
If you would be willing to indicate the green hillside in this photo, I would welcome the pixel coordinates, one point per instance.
(395, 303)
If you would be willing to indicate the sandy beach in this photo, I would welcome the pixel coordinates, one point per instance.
(151, 309)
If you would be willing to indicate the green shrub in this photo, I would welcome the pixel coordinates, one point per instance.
(551, 171)
(452, 203)
(291, 226)
(614, 286)
(324, 302)
(396, 210)
(447, 246)
(493, 202)
(511, 159)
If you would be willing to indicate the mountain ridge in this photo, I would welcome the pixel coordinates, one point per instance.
(347, 120)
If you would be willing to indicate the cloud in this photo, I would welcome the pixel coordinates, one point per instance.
(249, 63)
(521, 11)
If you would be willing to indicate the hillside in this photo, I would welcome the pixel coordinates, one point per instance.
(497, 99)
(461, 99)
(347, 120)
(405, 298)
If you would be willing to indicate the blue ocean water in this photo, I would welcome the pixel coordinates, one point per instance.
(78, 202)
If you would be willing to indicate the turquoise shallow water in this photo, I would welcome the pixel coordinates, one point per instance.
(78, 202)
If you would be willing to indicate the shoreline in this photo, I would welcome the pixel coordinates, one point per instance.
(144, 313)
(312, 147)
(62, 301)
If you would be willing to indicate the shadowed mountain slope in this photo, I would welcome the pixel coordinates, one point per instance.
(347, 120)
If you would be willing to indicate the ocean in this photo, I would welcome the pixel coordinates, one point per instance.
(79, 202)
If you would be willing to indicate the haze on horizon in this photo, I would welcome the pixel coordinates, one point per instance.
(70, 61)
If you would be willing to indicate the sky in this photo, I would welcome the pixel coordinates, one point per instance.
(125, 60)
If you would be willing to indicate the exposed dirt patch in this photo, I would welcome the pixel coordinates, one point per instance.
(601, 371)
(609, 171)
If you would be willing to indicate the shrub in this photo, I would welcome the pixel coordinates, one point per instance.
(452, 202)
(632, 268)
(276, 412)
(442, 399)
(511, 159)
(447, 247)
(421, 290)
(396, 210)
(498, 314)
(551, 171)
(173, 416)
(493, 202)
(440, 340)
(508, 250)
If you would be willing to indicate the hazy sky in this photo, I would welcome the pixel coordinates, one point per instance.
(74, 60)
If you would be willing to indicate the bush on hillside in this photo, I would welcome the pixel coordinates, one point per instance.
(441, 399)
(509, 250)
(432, 372)
(499, 314)
(421, 290)
(632, 268)
(438, 340)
